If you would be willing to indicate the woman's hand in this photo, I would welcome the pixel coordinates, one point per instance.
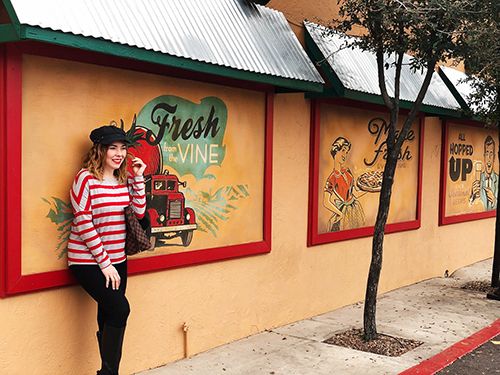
(138, 166)
(112, 276)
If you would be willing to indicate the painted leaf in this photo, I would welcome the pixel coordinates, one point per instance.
(61, 214)
(212, 207)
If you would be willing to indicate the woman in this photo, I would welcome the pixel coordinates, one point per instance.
(339, 194)
(96, 254)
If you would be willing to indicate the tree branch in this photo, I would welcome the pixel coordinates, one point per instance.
(381, 79)
(431, 64)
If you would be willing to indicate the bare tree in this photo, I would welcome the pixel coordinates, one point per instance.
(431, 31)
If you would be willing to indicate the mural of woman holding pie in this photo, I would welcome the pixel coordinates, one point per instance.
(340, 193)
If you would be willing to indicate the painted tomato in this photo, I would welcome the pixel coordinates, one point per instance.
(151, 155)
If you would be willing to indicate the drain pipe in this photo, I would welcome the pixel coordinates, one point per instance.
(185, 329)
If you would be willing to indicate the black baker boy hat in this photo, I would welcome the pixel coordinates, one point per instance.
(108, 134)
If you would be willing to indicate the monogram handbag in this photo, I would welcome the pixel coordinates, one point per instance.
(138, 233)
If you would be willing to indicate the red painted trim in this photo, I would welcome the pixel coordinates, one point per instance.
(443, 219)
(155, 263)
(11, 159)
(3, 176)
(312, 225)
(268, 171)
(467, 217)
(91, 57)
(13, 150)
(39, 281)
(315, 238)
(420, 169)
(444, 173)
(447, 357)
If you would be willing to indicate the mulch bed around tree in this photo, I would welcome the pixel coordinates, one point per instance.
(384, 344)
(478, 286)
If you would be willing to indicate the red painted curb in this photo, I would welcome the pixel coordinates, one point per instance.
(448, 356)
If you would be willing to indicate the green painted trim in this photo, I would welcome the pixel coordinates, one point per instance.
(285, 90)
(327, 93)
(377, 99)
(404, 104)
(453, 90)
(110, 48)
(438, 111)
(316, 55)
(8, 33)
(11, 12)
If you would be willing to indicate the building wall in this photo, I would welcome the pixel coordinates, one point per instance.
(52, 332)
(228, 300)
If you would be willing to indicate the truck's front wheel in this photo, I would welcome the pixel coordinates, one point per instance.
(186, 237)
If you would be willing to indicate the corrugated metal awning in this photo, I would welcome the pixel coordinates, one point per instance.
(246, 41)
(353, 70)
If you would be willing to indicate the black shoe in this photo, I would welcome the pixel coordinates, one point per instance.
(111, 349)
(494, 295)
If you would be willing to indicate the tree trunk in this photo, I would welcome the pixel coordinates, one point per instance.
(370, 326)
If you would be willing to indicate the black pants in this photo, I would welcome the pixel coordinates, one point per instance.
(113, 308)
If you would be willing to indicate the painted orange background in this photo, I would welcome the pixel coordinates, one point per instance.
(63, 101)
(352, 123)
(458, 193)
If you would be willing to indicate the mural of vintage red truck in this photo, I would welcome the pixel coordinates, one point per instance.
(167, 210)
(165, 204)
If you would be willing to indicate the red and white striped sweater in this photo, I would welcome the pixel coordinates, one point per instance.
(98, 230)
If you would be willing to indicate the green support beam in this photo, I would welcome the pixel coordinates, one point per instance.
(8, 33)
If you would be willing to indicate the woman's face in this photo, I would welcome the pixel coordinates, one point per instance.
(115, 155)
(341, 155)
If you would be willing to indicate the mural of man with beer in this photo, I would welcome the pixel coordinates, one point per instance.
(485, 185)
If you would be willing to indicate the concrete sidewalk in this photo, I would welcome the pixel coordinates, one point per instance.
(434, 311)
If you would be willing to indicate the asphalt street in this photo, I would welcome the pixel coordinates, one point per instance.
(483, 360)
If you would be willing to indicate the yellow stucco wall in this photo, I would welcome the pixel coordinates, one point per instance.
(228, 300)
(52, 332)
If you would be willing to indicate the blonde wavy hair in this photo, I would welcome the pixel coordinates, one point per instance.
(94, 163)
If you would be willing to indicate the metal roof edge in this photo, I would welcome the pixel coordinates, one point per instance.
(338, 90)
(453, 90)
(314, 46)
(131, 52)
(316, 56)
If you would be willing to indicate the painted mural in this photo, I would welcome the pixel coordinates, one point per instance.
(203, 145)
(352, 158)
(472, 170)
(189, 139)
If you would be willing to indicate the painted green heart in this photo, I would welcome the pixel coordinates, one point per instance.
(190, 135)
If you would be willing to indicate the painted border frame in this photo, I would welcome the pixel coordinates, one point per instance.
(313, 237)
(3, 172)
(12, 281)
(453, 219)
